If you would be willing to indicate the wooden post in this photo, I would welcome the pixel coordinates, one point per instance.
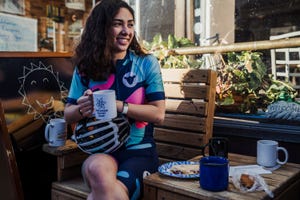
(179, 16)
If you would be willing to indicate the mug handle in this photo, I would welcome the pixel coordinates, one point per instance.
(285, 153)
(203, 149)
(47, 132)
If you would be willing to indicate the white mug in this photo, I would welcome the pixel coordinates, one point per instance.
(105, 107)
(267, 153)
(56, 132)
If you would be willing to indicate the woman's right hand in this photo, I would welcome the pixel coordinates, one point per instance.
(85, 104)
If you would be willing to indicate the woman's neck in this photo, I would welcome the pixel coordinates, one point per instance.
(119, 56)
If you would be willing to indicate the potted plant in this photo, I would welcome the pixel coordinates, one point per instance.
(160, 49)
(243, 83)
(244, 86)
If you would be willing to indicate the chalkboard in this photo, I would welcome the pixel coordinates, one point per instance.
(33, 85)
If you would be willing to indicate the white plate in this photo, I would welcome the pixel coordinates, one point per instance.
(164, 169)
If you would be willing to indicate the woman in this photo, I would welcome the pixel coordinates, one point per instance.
(109, 57)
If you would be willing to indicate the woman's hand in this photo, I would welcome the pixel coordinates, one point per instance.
(84, 108)
(85, 103)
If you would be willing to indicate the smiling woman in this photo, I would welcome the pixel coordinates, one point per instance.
(109, 56)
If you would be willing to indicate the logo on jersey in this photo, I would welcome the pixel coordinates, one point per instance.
(129, 79)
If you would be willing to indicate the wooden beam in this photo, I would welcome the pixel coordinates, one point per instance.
(190, 19)
(16, 54)
(243, 46)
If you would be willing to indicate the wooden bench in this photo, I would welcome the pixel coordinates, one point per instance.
(190, 104)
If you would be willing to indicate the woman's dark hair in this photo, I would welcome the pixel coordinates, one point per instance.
(93, 55)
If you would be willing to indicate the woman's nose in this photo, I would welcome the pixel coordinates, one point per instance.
(125, 30)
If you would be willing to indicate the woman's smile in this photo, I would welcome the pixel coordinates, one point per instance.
(123, 40)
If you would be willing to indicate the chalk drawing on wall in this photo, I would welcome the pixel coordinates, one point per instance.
(43, 92)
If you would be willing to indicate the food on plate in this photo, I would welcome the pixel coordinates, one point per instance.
(247, 180)
(185, 169)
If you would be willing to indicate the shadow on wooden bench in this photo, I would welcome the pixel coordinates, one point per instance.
(190, 104)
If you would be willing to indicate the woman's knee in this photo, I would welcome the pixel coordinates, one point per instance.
(99, 167)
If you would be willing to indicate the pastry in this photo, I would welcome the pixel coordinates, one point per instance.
(246, 181)
(184, 169)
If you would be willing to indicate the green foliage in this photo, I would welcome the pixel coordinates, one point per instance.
(160, 49)
(243, 81)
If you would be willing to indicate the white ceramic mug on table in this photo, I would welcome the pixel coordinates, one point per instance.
(56, 132)
(267, 153)
(105, 107)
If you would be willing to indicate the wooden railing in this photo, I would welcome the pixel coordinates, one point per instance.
(243, 46)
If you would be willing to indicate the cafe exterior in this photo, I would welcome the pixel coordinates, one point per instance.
(232, 82)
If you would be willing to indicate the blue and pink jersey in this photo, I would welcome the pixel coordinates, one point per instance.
(137, 80)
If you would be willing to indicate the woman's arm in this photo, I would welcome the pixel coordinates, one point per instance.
(153, 112)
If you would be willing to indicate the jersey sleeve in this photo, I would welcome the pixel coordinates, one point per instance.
(154, 83)
(77, 88)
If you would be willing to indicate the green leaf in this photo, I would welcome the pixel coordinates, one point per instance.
(227, 101)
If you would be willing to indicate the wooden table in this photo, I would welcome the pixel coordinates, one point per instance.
(284, 183)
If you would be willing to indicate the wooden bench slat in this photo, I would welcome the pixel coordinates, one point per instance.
(176, 152)
(69, 147)
(59, 195)
(186, 91)
(70, 189)
(186, 107)
(184, 122)
(74, 158)
(178, 137)
(25, 132)
(186, 75)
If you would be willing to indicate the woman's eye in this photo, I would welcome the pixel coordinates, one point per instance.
(117, 24)
(130, 25)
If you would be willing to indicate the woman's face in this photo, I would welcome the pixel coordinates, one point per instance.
(122, 31)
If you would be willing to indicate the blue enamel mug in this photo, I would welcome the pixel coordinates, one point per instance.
(214, 173)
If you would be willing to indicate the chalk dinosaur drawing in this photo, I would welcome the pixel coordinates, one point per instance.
(42, 91)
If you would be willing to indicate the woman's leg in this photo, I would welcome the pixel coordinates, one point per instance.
(100, 173)
(133, 165)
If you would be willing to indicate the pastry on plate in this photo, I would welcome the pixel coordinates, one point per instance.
(185, 169)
